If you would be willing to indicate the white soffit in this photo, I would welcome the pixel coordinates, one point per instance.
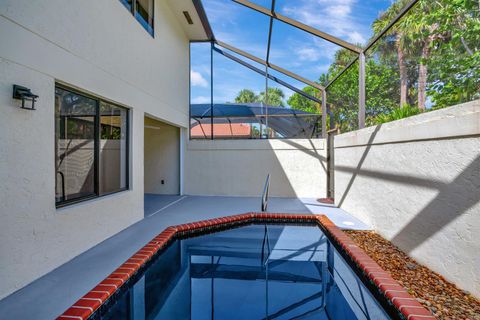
(193, 31)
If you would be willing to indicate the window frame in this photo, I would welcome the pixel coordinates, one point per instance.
(96, 154)
(133, 11)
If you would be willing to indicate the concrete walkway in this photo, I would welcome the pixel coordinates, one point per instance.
(50, 295)
(154, 202)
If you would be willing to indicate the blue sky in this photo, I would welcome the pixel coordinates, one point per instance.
(291, 48)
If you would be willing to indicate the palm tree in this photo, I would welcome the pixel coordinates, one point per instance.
(422, 29)
(275, 97)
(246, 96)
(398, 34)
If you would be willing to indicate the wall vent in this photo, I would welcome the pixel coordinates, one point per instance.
(187, 16)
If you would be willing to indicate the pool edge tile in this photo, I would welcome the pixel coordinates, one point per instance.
(391, 289)
(396, 294)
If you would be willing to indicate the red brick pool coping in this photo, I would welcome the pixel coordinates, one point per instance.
(396, 294)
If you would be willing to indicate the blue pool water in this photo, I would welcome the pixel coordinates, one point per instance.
(251, 272)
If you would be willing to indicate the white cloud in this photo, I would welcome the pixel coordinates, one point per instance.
(197, 79)
(356, 37)
(322, 68)
(201, 99)
(288, 93)
(334, 17)
(308, 54)
(340, 10)
(317, 51)
(219, 11)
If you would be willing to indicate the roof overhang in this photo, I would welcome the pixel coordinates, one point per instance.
(197, 31)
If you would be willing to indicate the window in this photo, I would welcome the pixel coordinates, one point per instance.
(113, 148)
(142, 10)
(91, 147)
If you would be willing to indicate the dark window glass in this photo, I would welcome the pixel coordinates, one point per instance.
(113, 148)
(91, 147)
(144, 14)
(75, 145)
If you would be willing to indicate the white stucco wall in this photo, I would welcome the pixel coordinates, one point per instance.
(162, 158)
(239, 167)
(417, 182)
(98, 47)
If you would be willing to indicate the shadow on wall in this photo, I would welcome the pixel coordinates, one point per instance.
(453, 198)
(357, 170)
(289, 172)
(314, 153)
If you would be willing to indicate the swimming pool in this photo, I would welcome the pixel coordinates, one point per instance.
(249, 267)
(251, 272)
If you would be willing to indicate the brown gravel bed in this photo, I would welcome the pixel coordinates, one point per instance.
(443, 298)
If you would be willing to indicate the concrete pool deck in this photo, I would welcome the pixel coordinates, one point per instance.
(50, 295)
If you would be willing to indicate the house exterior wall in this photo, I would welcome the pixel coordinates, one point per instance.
(99, 48)
(417, 182)
(297, 168)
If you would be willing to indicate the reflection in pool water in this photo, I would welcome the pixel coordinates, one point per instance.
(252, 272)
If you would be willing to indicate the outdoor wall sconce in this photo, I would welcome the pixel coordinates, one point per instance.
(24, 94)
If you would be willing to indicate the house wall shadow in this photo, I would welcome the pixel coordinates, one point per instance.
(422, 195)
(453, 200)
(359, 166)
(314, 152)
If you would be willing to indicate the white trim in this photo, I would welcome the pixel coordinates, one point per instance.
(182, 132)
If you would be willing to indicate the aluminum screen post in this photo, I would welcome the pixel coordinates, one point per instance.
(361, 91)
(211, 91)
(331, 163)
(324, 113)
(267, 61)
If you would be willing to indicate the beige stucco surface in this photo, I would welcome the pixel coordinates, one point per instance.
(97, 47)
(417, 182)
(239, 167)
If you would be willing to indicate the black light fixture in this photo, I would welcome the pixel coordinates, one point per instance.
(24, 94)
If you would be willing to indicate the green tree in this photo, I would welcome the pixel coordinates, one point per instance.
(393, 42)
(454, 62)
(397, 114)
(275, 97)
(246, 96)
(420, 31)
(299, 102)
(431, 54)
(342, 95)
(382, 91)
(443, 37)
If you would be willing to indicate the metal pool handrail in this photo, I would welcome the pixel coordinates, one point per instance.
(265, 194)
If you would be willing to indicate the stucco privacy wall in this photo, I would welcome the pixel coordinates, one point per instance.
(100, 48)
(239, 167)
(161, 158)
(417, 182)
